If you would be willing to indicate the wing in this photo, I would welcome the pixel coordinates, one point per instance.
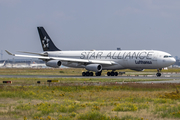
(41, 54)
(66, 59)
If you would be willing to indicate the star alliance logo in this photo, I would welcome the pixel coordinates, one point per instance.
(45, 42)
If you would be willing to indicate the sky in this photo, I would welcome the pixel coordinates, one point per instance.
(91, 24)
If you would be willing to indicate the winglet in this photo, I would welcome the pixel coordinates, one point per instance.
(9, 53)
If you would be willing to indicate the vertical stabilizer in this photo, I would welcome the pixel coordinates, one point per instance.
(46, 41)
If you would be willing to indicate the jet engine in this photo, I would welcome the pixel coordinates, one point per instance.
(94, 67)
(53, 63)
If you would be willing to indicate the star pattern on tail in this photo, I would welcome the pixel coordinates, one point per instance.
(45, 42)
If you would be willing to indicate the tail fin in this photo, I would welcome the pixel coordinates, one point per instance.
(46, 41)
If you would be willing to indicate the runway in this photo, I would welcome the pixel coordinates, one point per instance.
(163, 77)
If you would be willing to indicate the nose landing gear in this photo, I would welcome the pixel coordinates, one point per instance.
(158, 74)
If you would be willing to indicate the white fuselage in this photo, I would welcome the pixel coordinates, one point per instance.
(124, 59)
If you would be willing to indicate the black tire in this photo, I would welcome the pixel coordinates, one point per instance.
(87, 73)
(116, 73)
(91, 74)
(158, 74)
(98, 73)
(112, 73)
(83, 74)
(108, 74)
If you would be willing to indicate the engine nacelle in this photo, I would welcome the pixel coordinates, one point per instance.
(94, 67)
(53, 63)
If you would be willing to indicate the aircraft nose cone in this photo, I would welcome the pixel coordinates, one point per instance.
(173, 60)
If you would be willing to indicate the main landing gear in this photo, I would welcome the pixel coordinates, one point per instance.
(87, 73)
(112, 73)
(91, 73)
(98, 73)
(158, 74)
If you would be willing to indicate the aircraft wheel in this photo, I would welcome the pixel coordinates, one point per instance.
(83, 74)
(91, 74)
(158, 74)
(116, 73)
(112, 73)
(108, 74)
(87, 73)
(98, 73)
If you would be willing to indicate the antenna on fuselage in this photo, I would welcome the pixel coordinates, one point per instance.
(118, 48)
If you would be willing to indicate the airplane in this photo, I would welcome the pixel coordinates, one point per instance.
(98, 60)
(2, 64)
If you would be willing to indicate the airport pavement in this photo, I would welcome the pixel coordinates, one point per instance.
(165, 78)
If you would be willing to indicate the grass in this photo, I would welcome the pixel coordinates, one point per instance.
(73, 81)
(86, 98)
(74, 101)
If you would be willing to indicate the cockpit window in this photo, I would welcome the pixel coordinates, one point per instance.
(166, 56)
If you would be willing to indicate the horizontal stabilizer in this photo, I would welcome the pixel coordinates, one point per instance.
(9, 53)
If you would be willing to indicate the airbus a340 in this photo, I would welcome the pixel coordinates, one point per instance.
(96, 61)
